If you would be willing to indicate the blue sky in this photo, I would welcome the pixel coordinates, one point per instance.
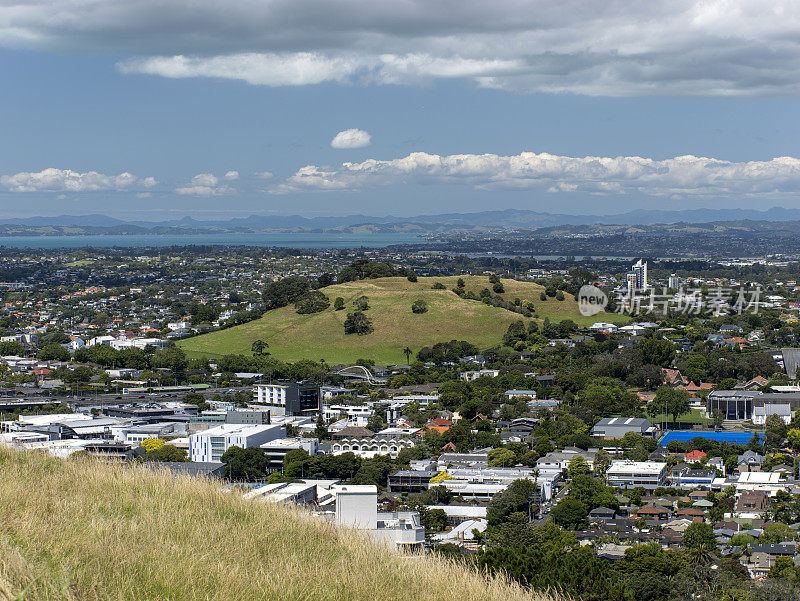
(469, 114)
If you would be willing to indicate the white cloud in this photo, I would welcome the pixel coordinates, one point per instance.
(684, 175)
(231, 175)
(351, 138)
(204, 184)
(264, 175)
(621, 48)
(65, 180)
(295, 69)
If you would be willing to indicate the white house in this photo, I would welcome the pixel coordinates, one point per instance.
(469, 376)
(782, 410)
(100, 340)
(603, 327)
(75, 344)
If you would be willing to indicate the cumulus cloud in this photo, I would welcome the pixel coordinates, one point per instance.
(264, 175)
(684, 175)
(231, 175)
(205, 184)
(621, 48)
(351, 138)
(65, 180)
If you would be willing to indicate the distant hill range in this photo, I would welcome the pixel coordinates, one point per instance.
(486, 221)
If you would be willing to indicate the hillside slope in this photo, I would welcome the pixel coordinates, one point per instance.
(321, 336)
(78, 529)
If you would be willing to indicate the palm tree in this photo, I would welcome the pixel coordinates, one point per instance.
(407, 352)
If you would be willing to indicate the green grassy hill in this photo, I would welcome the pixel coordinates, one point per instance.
(321, 335)
(81, 530)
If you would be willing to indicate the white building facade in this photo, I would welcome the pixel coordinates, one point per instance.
(210, 445)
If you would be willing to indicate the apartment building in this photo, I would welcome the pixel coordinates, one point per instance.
(288, 398)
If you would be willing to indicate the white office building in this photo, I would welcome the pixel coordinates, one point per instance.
(331, 413)
(768, 482)
(211, 444)
(647, 474)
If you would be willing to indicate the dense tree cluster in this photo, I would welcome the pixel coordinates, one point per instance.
(313, 301)
(357, 323)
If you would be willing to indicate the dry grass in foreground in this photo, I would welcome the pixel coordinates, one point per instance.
(78, 529)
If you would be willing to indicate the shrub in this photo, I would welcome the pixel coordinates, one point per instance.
(412, 277)
(419, 306)
(542, 296)
(438, 286)
(357, 323)
(560, 295)
(338, 304)
(312, 302)
(498, 287)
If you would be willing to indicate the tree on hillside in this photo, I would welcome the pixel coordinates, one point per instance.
(284, 291)
(361, 303)
(357, 323)
(338, 304)
(258, 347)
(312, 302)
(408, 352)
(419, 306)
(672, 401)
(515, 333)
